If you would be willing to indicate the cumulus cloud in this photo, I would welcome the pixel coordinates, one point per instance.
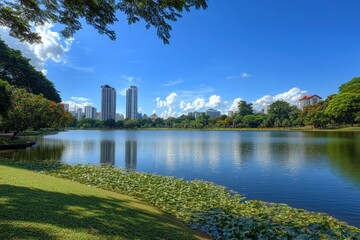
(235, 105)
(214, 101)
(199, 103)
(79, 99)
(292, 96)
(53, 47)
(169, 104)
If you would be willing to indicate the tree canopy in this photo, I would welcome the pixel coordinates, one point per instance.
(245, 108)
(19, 15)
(17, 70)
(31, 111)
(5, 97)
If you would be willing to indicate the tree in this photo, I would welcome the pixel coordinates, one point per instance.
(5, 97)
(344, 107)
(280, 110)
(110, 123)
(89, 123)
(31, 111)
(16, 70)
(353, 86)
(245, 108)
(315, 114)
(19, 14)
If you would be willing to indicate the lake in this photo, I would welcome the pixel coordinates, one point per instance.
(317, 171)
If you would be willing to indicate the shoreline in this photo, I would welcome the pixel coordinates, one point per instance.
(204, 205)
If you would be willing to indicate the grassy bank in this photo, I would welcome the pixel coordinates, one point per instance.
(210, 208)
(37, 206)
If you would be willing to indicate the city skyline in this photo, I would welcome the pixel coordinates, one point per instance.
(239, 50)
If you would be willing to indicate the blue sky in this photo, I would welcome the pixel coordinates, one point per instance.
(258, 51)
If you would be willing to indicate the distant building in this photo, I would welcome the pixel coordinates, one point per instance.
(108, 102)
(79, 114)
(132, 103)
(212, 113)
(153, 117)
(230, 113)
(119, 117)
(308, 100)
(98, 115)
(66, 106)
(90, 112)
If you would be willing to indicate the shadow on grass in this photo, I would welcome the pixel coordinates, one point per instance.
(105, 217)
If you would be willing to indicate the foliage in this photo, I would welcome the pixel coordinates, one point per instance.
(36, 206)
(245, 108)
(211, 208)
(5, 97)
(344, 107)
(87, 123)
(280, 110)
(110, 123)
(16, 70)
(315, 114)
(353, 86)
(30, 111)
(18, 14)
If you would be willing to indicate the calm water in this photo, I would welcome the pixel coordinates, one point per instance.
(318, 171)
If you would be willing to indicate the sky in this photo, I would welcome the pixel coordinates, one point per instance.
(259, 51)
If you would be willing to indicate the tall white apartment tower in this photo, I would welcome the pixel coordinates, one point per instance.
(132, 103)
(108, 102)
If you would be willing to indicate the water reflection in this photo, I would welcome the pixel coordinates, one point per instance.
(344, 156)
(40, 152)
(107, 152)
(319, 171)
(130, 155)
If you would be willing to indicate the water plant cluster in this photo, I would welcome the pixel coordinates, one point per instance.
(211, 208)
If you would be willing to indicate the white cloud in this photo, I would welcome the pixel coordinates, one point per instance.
(245, 75)
(79, 99)
(214, 101)
(292, 96)
(53, 47)
(172, 83)
(169, 104)
(130, 79)
(242, 75)
(199, 103)
(235, 105)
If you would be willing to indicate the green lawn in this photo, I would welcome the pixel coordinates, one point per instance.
(37, 206)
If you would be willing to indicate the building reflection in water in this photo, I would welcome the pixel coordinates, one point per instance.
(107, 152)
(130, 155)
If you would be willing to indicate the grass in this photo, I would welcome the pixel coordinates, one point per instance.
(12, 142)
(38, 206)
(206, 206)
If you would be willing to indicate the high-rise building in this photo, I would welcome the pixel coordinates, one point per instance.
(108, 102)
(90, 112)
(132, 103)
(212, 113)
(79, 114)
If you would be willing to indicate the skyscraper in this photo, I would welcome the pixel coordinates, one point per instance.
(132, 103)
(108, 102)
